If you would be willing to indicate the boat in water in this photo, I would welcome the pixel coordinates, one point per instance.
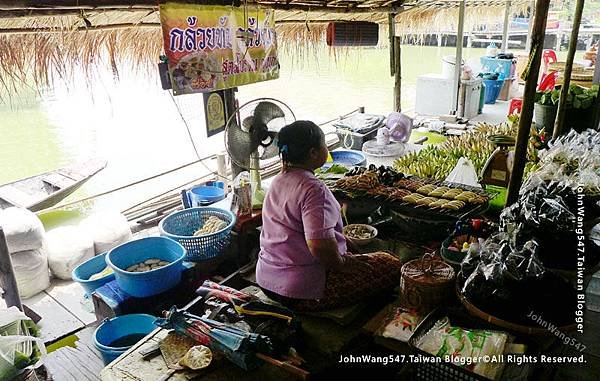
(48, 189)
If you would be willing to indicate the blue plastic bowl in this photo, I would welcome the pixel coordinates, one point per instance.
(118, 328)
(346, 158)
(82, 273)
(202, 195)
(151, 282)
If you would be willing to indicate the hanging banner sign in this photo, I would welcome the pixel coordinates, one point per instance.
(218, 47)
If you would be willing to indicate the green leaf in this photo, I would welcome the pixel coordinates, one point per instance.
(576, 102)
(576, 89)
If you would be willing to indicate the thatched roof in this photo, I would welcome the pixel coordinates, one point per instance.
(48, 40)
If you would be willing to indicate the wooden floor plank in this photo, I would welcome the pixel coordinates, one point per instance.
(70, 295)
(57, 322)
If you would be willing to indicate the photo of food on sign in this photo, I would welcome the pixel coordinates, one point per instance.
(197, 71)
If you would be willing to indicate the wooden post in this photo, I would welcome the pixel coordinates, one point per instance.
(504, 46)
(8, 281)
(562, 100)
(458, 60)
(391, 35)
(535, 54)
(530, 28)
(397, 75)
(596, 80)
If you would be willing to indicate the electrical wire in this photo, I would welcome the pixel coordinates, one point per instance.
(187, 127)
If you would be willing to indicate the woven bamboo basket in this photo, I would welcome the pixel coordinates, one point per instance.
(426, 283)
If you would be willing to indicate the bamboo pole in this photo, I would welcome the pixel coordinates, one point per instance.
(5, 31)
(596, 80)
(504, 46)
(458, 58)
(564, 91)
(530, 28)
(397, 75)
(391, 35)
(8, 281)
(94, 5)
(535, 57)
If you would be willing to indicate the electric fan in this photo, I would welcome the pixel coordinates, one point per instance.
(251, 139)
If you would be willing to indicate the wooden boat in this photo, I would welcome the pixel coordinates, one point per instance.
(48, 189)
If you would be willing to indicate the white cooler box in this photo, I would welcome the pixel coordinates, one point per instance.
(434, 95)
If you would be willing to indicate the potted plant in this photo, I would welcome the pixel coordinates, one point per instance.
(580, 101)
(546, 104)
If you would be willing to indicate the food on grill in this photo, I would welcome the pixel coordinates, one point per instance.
(212, 225)
(438, 192)
(454, 205)
(412, 198)
(398, 194)
(364, 182)
(380, 190)
(452, 193)
(426, 200)
(426, 189)
(438, 204)
(147, 265)
(415, 185)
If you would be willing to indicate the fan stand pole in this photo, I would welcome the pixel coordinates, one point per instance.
(258, 194)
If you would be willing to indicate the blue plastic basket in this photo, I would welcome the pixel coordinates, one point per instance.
(492, 89)
(180, 226)
(84, 271)
(151, 282)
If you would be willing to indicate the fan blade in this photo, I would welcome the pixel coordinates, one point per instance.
(247, 123)
(239, 145)
(267, 111)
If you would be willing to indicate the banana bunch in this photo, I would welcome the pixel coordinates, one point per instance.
(438, 161)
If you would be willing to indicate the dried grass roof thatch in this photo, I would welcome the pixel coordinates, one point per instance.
(45, 41)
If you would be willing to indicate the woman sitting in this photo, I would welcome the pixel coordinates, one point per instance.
(303, 262)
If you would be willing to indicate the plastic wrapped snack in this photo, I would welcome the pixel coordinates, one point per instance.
(572, 159)
(401, 325)
(457, 344)
(509, 281)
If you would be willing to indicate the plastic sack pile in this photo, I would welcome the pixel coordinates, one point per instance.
(25, 238)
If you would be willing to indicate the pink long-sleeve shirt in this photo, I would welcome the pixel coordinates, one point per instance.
(298, 207)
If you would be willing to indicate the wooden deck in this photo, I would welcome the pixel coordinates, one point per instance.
(62, 310)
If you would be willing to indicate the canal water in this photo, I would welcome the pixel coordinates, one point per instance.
(141, 130)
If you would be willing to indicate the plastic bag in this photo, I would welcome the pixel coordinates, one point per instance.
(22, 228)
(108, 229)
(508, 280)
(68, 247)
(464, 173)
(462, 344)
(242, 195)
(31, 272)
(16, 346)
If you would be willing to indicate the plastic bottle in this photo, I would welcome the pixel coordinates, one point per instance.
(492, 50)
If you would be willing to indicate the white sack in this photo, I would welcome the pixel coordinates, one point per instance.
(68, 247)
(22, 228)
(31, 271)
(108, 230)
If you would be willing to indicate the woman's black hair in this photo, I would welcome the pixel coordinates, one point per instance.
(295, 141)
